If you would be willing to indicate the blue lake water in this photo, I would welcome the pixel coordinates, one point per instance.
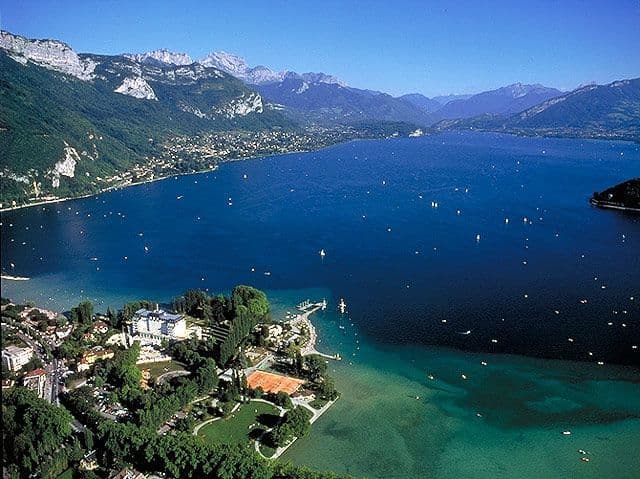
(425, 293)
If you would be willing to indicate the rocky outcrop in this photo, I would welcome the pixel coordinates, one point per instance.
(137, 87)
(66, 166)
(50, 54)
(243, 105)
(162, 55)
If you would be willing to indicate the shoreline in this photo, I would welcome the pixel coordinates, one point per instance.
(310, 347)
(259, 157)
(172, 175)
(612, 206)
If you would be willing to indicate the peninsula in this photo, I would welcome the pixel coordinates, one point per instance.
(131, 391)
(624, 196)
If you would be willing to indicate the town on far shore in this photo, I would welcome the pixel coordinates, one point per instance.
(217, 368)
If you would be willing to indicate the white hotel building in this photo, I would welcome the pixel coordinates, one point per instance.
(154, 326)
(14, 358)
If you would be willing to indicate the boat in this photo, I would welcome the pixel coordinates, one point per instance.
(322, 253)
(566, 433)
(342, 306)
(304, 305)
(15, 278)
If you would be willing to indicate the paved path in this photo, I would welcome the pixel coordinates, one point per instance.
(170, 375)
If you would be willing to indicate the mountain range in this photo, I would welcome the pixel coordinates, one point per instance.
(69, 121)
(609, 111)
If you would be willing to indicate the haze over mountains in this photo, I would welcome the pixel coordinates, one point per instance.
(60, 107)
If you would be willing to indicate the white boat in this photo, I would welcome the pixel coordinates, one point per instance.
(342, 306)
(322, 253)
(15, 278)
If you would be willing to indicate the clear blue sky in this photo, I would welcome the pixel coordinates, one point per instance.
(397, 46)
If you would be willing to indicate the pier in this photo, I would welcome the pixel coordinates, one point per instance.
(308, 308)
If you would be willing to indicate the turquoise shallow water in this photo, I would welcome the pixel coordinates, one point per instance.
(414, 278)
(394, 422)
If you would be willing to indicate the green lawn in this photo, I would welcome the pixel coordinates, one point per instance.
(157, 369)
(267, 451)
(235, 428)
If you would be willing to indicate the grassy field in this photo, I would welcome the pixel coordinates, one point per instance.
(236, 428)
(267, 451)
(157, 369)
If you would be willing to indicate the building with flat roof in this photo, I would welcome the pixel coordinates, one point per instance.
(14, 357)
(157, 325)
(35, 380)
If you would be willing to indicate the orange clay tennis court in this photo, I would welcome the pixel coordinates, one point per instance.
(273, 383)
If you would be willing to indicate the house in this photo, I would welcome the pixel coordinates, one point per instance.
(275, 330)
(14, 357)
(89, 462)
(36, 380)
(82, 365)
(26, 313)
(226, 376)
(88, 337)
(97, 353)
(7, 384)
(100, 327)
(157, 325)
(63, 332)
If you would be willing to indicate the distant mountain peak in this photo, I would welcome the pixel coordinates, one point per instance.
(260, 74)
(161, 55)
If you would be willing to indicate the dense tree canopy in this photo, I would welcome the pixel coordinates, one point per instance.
(32, 431)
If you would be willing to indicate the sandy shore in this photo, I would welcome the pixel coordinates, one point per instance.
(310, 346)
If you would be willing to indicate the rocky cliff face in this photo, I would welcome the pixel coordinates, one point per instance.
(136, 87)
(243, 105)
(50, 54)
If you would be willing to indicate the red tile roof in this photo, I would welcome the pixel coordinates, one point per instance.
(36, 373)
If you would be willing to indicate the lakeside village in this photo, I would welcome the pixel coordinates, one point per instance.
(203, 152)
(215, 385)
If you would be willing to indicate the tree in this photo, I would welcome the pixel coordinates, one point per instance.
(316, 366)
(32, 429)
(295, 423)
(257, 392)
(112, 316)
(83, 313)
(282, 399)
(327, 389)
(207, 377)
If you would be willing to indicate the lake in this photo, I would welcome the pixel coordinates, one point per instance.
(450, 251)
